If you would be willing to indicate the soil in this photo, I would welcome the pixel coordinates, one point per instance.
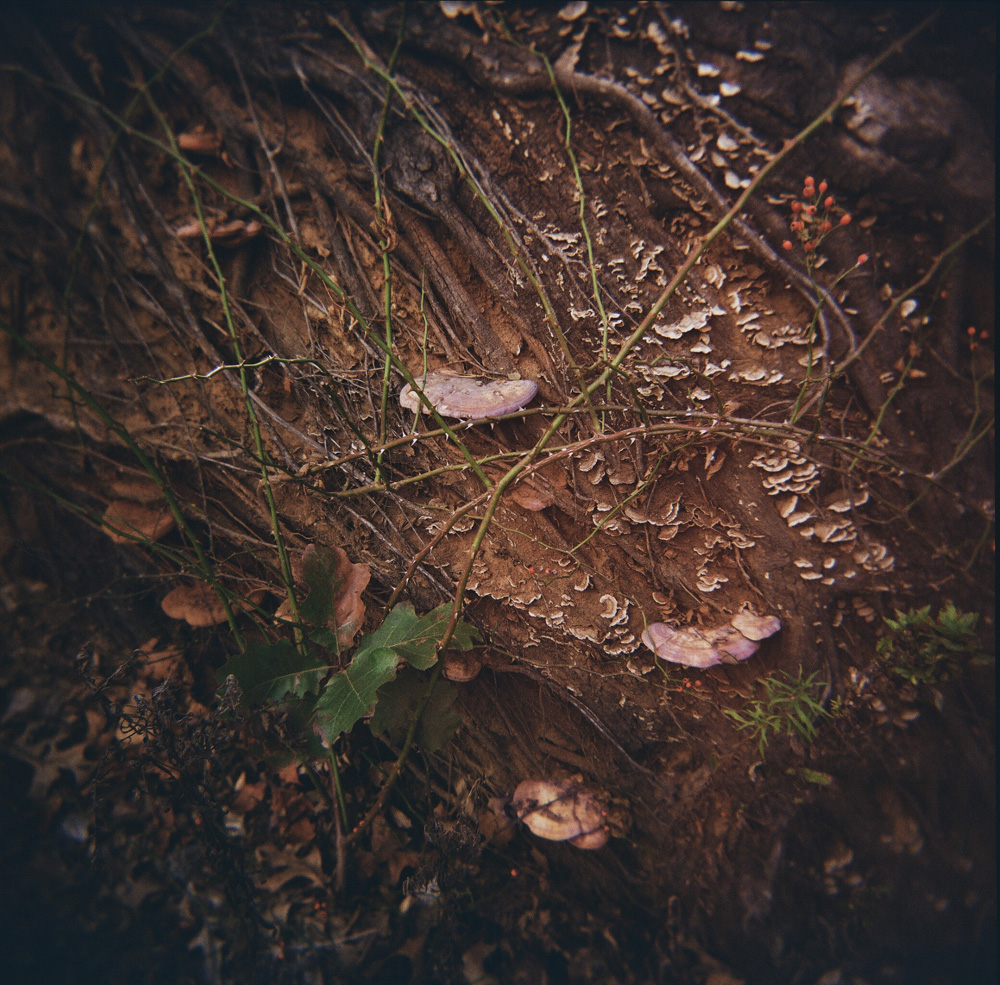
(214, 219)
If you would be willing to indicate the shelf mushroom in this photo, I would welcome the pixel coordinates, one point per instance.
(731, 642)
(469, 398)
(561, 810)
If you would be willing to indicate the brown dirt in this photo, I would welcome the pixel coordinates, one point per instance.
(150, 827)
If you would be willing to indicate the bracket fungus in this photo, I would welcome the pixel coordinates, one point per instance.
(469, 398)
(731, 642)
(561, 810)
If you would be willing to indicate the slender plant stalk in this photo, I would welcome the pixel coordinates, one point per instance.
(252, 419)
(384, 234)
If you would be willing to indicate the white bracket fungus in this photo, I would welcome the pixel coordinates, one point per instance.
(469, 397)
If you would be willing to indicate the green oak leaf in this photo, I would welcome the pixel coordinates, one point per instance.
(274, 671)
(350, 695)
(415, 638)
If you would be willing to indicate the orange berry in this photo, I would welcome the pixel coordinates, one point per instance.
(823, 187)
(787, 245)
(862, 259)
(845, 218)
(828, 202)
(796, 206)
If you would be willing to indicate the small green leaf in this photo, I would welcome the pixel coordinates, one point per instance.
(350, 695)
(816, 776)
(272, 671)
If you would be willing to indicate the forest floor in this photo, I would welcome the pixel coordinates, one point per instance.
(279, 653)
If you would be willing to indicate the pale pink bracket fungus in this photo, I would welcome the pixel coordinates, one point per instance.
(755, 627)
(561, 810)
(731, 642)
(200, 140)
(469, 398)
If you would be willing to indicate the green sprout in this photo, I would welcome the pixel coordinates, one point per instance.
(789, 707)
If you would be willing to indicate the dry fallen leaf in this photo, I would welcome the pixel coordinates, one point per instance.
(198, 605)
(126, 521)
(199, 140)
(335, 585)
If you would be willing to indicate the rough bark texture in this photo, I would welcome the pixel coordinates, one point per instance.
(218, 221)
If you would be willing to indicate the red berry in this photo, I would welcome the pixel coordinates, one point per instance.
(828, 201)
(823, 187)
(796, 207)
(863, 259)
(787, 245)
(845, 218)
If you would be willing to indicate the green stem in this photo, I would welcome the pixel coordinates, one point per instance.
(252, 419)
(382, 224)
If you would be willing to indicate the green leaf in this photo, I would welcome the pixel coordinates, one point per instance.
(415, 638)
(398, 702)
(272, 671)
(350, 695)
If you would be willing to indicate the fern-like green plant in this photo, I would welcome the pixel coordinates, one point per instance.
(926, 649)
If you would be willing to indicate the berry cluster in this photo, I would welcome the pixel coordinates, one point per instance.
(974, 340)
(814, 218)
